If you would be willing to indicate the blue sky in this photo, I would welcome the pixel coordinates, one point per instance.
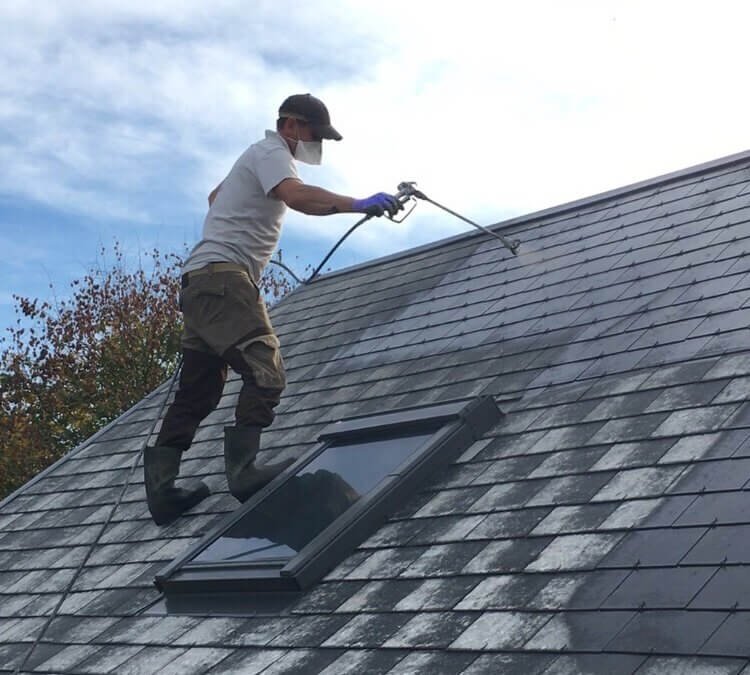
(117, 119)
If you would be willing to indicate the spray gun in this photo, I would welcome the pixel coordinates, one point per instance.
(407, 191)
(407, 196)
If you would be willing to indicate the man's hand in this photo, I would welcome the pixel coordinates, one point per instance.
(378, 204)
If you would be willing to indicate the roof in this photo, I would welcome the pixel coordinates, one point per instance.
(602, 526)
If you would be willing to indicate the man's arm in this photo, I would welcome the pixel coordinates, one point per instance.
(312, 200)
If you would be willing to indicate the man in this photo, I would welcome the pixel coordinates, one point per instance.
(225, 318)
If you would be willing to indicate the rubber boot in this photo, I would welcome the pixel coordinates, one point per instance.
(241, 445)
(166, 501)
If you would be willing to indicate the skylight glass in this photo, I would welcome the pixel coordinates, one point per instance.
(310, 500)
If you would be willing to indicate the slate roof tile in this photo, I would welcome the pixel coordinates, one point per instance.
(500, 631)
(107, 659)
(377, 662)
(377, 596)
(368, 630)
(657, 547)
(591, 664)
(644, 482)
(437, 594)
(668, 665)
(510, 664)
(660, 588)
(432, 630)
(503, 591)
(579, 631)
(507, 555)
(437, 663)
(575, 551)
(443, 560)
(658, 512)
(675, 632)
(309, 632)
(385, 563)
(67, 658)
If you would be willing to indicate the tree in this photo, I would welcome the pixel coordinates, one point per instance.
(68, 368)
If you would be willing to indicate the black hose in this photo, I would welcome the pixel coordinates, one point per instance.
(361, 221)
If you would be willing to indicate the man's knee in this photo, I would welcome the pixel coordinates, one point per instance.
(259, 357)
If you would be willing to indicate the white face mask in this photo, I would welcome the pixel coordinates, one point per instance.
(309, 152)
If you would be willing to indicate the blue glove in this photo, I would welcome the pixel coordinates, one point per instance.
(378, 204)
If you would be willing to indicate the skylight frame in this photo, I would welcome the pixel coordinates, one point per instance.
(452, 427)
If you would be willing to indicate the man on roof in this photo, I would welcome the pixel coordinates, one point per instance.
(225, 318)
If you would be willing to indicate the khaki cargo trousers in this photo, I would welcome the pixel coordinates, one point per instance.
(226, 323)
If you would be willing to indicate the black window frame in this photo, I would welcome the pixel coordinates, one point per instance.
(453, 426)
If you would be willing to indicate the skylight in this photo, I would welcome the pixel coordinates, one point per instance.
(295, 530)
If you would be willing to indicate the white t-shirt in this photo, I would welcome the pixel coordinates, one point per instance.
(243, 225)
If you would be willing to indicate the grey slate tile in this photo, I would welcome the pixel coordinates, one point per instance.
(645, 548)
(720, 474)
(721, 544)
(578, 631)
(195, 661)
(728, 587)
(77, 630)
(595, 664)
(326, 597)
(503, 591)
(435, 663)
(367, 630)
(301, 661)
(571, 489)
(695, 665)
(643, 482)
(378, 596)
(510, 664)
(147, 630)
(437, 594)
(508, 524)
(506, 556)
(731, 637)
(450, 502)
(670, 588)
(667, 632)
(309, 632)
(385, 563)
(66, 659)
(573, 519)
(432, 630)
(107, 659)
(259, 632)
(500, 631)
(209, 631)
(575, 551)
(368, 661)
(657, 512)
(722, 507)
(507, 496)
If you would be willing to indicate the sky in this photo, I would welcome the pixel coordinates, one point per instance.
(117, 119)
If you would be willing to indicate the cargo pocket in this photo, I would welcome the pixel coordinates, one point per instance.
(203, 302)
(262, 355)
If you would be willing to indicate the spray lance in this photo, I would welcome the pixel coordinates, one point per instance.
(407, 196)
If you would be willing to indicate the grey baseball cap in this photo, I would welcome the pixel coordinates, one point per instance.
(312, 110)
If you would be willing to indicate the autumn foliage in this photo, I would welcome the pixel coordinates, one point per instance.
(69, 367)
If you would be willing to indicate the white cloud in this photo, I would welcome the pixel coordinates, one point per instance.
(117, 109)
